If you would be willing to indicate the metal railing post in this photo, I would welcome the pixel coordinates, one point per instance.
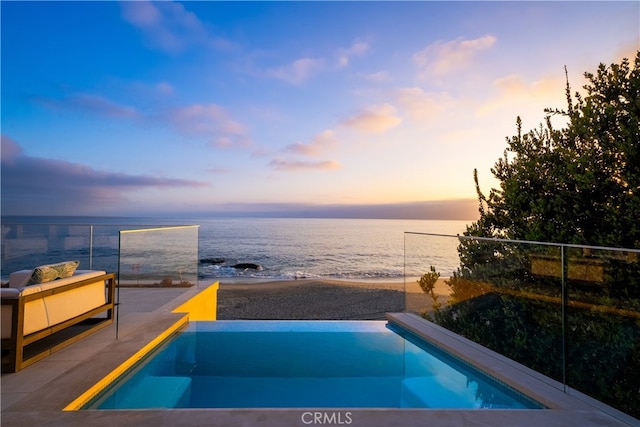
(564, 316)
(91, 247)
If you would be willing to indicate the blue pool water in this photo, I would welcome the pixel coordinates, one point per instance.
(293, 364)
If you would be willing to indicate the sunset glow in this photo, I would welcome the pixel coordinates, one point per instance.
(127, 108)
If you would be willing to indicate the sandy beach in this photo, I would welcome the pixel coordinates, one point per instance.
(313, 299)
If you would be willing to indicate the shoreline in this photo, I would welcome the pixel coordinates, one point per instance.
(247, 280)
(320, 299)
(409, 285)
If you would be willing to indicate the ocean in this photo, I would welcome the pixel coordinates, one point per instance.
(281, 248)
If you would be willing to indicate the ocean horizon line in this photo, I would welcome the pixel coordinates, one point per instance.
(280, 248)
(14, 218)
(453, 209)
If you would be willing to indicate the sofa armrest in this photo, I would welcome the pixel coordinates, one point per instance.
(9, 293)
(11, 306)
(18, 279)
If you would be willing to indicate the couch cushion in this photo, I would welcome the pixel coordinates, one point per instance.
(35, 316)
(69, 304)
(47, 273)
(77, 276)
(19, 279)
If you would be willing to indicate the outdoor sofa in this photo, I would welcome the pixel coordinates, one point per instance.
(51, 307)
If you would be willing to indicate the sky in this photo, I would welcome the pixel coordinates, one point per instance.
(347, 109)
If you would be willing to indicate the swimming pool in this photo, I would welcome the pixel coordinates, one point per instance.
(295, 364)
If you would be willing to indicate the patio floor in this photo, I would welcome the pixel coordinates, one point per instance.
(36, 395)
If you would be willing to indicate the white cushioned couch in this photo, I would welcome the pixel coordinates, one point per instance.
(42, 313)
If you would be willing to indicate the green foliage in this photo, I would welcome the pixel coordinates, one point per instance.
(603, 349)
(427, 282)
(580, 184)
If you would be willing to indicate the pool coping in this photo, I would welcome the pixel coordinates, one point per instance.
(547, 391)
(44, 406)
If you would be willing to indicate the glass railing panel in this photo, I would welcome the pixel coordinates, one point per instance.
(158, 257)
(504, 295)
(26, 246)
(569, 312)
(422, 253)
(603, 325)
(104, 247)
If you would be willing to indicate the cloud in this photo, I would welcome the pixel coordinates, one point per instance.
(515, 84)
(295, 165)
(376, 119)
(164, 88)
(457, 209)
(304, 69)
(212, 121)
(299, 71)
(142, 14)
(38, 186)
(90, 103)
(220, 170)
(315, 146)
(261, 152)
(209, 120)
(513, 91)
(10, 151)
(358, 48)
(377, 77)
(166, 25)
(441, 58)
(145, 92)
(421, 105)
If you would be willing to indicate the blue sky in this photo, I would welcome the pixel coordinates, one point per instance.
(282, 108)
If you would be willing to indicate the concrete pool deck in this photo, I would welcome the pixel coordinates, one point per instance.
(36, 395)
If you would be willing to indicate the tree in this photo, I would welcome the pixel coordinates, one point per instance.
(580, 184)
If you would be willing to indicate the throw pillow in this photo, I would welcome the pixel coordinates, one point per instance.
(67, 268)
(47, 273)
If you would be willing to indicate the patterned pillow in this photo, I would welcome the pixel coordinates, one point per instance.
(47, 273)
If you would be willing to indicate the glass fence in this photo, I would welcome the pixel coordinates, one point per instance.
(142, 255)
(569, 312)
(165, 256)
